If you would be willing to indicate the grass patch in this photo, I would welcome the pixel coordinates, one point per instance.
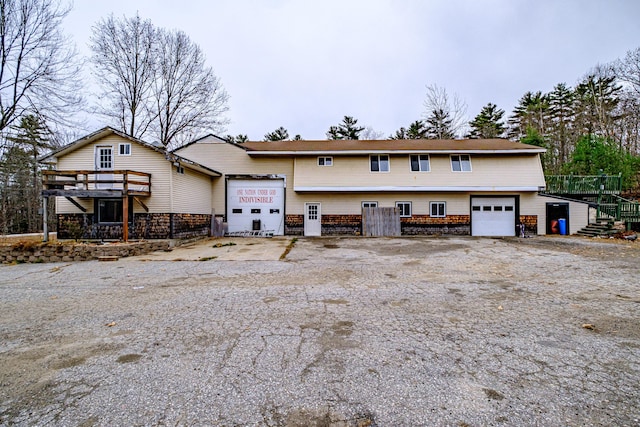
(207, 258)
(222, 245)
(290, 246)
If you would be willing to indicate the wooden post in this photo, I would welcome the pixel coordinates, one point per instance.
(125, 218)
(45, 217)
(125, 209)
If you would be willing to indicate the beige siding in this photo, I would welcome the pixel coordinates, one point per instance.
(141, 159)
(351, 203)
(230, 159)
(191, 192)
(488, 171)
(537, 205)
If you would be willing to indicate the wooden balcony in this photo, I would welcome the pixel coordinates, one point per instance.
(583, 185)
(91, 183)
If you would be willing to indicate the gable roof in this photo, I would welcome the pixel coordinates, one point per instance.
(95, 136)
(107, 131)
(359, 147)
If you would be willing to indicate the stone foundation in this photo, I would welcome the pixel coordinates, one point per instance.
(425, 225)
(32, 252)
(143, 226)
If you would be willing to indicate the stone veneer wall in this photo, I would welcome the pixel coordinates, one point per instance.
(352, 225)
(31, 252)
(335, 225)
(530, 223)
(143, 226)
(294, 225)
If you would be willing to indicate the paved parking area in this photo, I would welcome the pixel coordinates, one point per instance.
(453, 331)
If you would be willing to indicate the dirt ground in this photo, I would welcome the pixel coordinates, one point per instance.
(455, 331)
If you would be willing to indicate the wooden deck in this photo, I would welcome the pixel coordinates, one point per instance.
(583, 185)
(91, 183)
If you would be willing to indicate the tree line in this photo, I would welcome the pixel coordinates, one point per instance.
(154, 84)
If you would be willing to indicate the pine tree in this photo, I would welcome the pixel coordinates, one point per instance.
(562, 130)
(279, 134)
(348, 129)
(439, 125)
(487, 124)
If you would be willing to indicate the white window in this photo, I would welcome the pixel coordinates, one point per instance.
(405, 209)
(124, 149)
(419, 162)
(325, 161)
(437, 209)
(461, 163)
(379, 163)
(369, 204)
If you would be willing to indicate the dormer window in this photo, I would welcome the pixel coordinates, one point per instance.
(461, 163)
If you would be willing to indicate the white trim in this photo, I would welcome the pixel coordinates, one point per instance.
(437, 203)
(410, 208)
(407, 151)
(337, 189)
(124, 144)
(420, 170)
(379, 163)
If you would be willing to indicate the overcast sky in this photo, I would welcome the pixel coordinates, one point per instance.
(304, 64)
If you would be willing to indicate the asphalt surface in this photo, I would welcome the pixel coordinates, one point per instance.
(454, 331)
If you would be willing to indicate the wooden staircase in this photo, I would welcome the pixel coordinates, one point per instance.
(603, 227)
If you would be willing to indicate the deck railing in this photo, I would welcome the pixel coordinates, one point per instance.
(583, 184)
(85, 182)
(620, 208)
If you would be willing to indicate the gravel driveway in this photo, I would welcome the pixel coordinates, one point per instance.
(456, 331)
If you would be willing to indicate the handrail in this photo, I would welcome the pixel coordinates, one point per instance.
(129, 181)
(583, 184)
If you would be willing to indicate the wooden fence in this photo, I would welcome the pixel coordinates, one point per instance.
(380, 222)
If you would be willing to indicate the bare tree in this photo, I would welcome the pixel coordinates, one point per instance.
(189, 98)
(123, 55)
(370, 134)
(437, 105)
(39, 69)
(628, 70)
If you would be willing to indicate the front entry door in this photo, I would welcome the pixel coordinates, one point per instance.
(312, 219)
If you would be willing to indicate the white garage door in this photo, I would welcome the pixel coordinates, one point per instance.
(253, 200)
(493, 216)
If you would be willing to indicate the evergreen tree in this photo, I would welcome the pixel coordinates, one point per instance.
(597, 97)
(348, 129)
(532, 111)
(439, 125)
(400, 134)
(279, 134)
(417, 130)
(487, 124)
(21, 175)
(595, 154)
(238, 139)
(562, 129)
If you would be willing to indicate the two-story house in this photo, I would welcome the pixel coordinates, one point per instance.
(312, 188)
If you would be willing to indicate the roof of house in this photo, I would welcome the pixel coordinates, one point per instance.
(106, 131)
(355, 147)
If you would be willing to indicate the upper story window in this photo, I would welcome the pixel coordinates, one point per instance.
(379, 163)
(124, 149)
(325, 161)
(419, 162)
(461, 163)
